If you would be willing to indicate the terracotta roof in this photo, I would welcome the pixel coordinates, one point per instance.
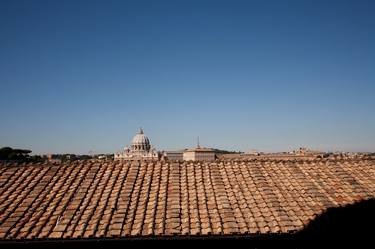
(121, 199)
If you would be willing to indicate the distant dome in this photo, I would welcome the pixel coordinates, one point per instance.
(140, 142)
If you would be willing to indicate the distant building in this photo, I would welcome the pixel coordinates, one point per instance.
(105, 157)
(140, 149)
(174, 155)
(304, 151)
(199, 154)
(54, 158)
(252, 153)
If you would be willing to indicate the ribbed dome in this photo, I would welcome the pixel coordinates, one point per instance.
(140, 142)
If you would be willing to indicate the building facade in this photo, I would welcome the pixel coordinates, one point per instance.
(199, 154)
(174, 155)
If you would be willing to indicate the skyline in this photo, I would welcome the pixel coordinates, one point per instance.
(80, 76)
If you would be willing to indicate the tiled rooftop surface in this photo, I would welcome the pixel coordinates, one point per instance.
(125, 199)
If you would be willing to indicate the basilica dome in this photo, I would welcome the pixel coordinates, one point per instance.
(140, 142)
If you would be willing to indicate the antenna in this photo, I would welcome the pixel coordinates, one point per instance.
(198, 143)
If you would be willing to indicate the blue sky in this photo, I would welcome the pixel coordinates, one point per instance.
(82, 76)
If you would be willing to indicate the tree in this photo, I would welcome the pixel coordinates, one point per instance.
(7, 153)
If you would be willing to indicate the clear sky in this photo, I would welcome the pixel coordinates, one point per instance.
(82, 76)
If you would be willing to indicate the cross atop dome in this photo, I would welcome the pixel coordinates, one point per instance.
(140, 131)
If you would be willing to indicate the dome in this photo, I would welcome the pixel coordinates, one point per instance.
(140, 142)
